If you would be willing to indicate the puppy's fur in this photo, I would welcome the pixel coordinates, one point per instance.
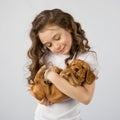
(40, 89)
(76, 73)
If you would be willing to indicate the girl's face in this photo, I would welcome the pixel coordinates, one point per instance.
(56, 39)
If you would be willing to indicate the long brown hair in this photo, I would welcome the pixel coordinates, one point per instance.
(62, 19)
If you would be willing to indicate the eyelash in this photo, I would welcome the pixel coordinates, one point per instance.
(49, 45)
(57, 38)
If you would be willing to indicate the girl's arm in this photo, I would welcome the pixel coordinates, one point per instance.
(83, 93)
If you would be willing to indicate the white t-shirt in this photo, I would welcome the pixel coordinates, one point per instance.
(70, 108)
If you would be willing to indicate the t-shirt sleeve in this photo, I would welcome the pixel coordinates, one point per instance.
(91, 59)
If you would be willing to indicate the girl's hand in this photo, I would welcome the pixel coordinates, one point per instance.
(45, 102)
(50, 75)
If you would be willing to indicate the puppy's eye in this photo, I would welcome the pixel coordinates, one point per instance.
(83, 67)
(73, 64)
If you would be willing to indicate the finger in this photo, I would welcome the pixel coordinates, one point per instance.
(50, 103)
(46, 102)
(31, 93)
(42, 101)
(29, 87)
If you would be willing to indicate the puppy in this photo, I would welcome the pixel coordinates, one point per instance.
(45, 89)
(76, 73)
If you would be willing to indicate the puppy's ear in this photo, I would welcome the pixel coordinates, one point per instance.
(90, 77)
(40, 74)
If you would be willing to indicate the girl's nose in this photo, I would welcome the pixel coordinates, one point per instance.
(57, 46)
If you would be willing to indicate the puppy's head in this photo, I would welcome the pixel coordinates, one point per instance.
(82, 71)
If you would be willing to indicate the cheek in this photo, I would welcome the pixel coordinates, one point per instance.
(67, 40)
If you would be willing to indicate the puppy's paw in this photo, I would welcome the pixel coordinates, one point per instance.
(56, 69)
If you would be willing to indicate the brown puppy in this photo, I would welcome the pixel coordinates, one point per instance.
(44, 89)
(76, 73)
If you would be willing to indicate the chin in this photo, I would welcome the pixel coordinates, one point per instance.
(66, 52)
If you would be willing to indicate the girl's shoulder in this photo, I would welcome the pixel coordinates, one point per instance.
(87, 55)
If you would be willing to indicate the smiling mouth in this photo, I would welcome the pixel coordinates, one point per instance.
(62, 50)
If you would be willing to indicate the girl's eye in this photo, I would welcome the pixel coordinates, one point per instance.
(48, 45)
(57, 37)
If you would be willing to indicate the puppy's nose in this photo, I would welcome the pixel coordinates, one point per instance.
(76, 69)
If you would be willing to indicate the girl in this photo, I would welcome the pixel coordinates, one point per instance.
(58, 38)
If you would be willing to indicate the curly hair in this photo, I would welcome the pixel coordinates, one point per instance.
(62, 19)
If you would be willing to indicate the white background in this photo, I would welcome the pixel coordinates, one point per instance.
(101, 21)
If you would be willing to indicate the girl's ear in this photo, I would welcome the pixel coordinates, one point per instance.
(90, 77)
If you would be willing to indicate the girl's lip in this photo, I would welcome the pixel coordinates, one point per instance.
(62, 50)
